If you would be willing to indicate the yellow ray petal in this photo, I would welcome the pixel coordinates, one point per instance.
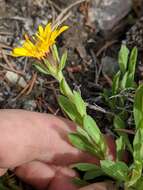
(20, 52)
(39, 37)
(48, 30)
(62, 29)
(40, 30)
(54, 35)
(42, 41)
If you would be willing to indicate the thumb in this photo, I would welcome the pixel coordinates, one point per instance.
(100, 186)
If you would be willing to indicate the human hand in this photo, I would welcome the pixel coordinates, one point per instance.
(36, 147)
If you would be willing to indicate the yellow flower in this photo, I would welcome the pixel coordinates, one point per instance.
(40, 44)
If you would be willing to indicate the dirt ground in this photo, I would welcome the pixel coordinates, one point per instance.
(86, 45)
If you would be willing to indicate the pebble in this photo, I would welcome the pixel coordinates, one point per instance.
(107, 13)
(134, 37)
(109, 66)
(29, 105)
(14, 79)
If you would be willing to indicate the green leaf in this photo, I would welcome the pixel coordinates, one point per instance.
(136, 173)
(63, 61)
(55, 53)
(124, 80)
(138, 106)
(133, 60)
(119, 124)
(120, 147)
(139, 184)
(79, 182)
(92, 170)
(85, 167)
(65, 89)
(138, 143)
(130, 81)
(41, 69)
(81, 143)
(82, 132)
(93, 131)
(91, 128)
(79, 103)
(76, 140)
(49, 66)
(92, 174)
(123, 58)
(116, 83)
(118, 170)
(70, 109)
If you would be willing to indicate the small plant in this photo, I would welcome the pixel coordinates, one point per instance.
(88, 136)
(124, 78)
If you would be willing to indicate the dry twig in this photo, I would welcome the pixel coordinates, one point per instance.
(63, 15)
(28, 88)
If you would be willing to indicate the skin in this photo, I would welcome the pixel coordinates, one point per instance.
(35, 146)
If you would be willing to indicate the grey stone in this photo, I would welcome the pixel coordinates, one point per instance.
(14, 78)
(2, 8)
(107, 13)
(11, 77)
(22, 82)
(30, 105)
(134, 37)
(1, 97)
(109, 65)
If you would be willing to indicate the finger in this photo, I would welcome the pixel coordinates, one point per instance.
(42, 176)
(99, 186)
(36, 174)
(63, 180)
(36, 136)
(93, 187)
(2, 171)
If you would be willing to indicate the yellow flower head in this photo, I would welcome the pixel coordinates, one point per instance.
(40, 44)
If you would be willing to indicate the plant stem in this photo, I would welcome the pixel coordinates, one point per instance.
(64, 87)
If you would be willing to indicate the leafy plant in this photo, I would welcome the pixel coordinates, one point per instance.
(123, 81)
(8, 182)
(88, 137)
(125, 76)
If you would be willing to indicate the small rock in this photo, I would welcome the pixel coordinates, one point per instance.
(1, 97)
(3, 8)
(109, 65)
(138, 7)
(22, 83)
(29, 105)
(13, 78)
(107, 13)
(134, 37)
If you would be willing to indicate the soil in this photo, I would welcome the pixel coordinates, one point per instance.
(86, 45)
